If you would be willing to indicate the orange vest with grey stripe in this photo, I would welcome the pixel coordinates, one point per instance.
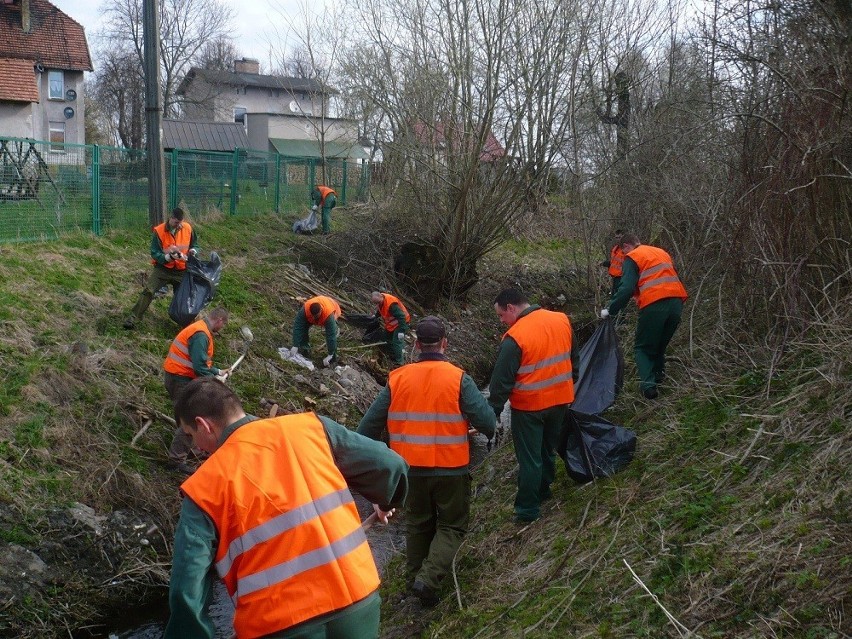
(657, 277)
(425, 423)
(180, 240)
(544, 378)
(329, 307)
(391, 323)
(178, 361)
(290, 543)
(616, 261)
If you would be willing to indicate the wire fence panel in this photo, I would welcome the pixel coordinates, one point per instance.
(48, 189)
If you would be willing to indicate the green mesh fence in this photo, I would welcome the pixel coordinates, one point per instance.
(48, 189)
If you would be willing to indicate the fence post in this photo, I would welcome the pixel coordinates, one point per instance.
(173, 181)
(345, 182)
(277, 183)
(234, 175)
(96, 189)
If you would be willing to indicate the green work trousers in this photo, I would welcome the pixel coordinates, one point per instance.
(654, 330)
(181, 444)
(358, 621)
(535, 435)
(394, 346)
(160, 277)
(330, 203)
(437, 516)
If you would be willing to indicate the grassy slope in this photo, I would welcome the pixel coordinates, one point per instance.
(735, 513)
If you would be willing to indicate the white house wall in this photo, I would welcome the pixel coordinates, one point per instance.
(54, 110)
(303, 128)
(16, 119)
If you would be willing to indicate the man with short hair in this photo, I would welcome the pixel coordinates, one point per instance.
(171, 243)
(190, 356)
(427, 408)
(649, 276)
(318, 311)
(396, 318)
(325, 198)
(535, 370)
(271, 511)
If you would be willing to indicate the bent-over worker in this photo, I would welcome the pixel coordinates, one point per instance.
(395, 318)
(318, 311)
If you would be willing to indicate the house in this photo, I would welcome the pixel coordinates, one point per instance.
(43, 54)
(281, 114)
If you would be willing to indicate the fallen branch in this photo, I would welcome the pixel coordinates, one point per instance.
(141, 432)
(678, 625)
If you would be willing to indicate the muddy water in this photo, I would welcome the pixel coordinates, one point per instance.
(385, 542)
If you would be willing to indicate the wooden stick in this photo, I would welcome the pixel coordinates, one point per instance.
(141, 431)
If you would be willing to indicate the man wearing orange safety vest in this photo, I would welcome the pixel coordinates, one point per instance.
(535, 371)
(270, 510)
(190, 356)
(615, 262)
(427, 408)
(171, 243)
(325, 198)
(649, 276)
(318, 311)
(395, 318)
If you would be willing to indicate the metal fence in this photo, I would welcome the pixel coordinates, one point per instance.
(48, 189)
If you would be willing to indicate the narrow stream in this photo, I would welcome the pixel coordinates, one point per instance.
(385, 542)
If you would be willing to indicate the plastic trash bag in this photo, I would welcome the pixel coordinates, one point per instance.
(293, 355)
(306, 225)
(593, 447)
(600, 371)
(373, 329)
(196, 289)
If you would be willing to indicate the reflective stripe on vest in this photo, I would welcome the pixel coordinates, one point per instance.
(391, 323)
(657, 276)
(178, 360)
(616, 261)
(180, 240)
(544, 378)
(425, 423)
(287, 527)
(329, 307)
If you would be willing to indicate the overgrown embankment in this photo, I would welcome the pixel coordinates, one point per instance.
(735, 513)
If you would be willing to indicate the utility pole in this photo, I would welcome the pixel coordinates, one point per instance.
(153, 113)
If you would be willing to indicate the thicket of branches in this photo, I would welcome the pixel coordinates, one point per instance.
(734, 155)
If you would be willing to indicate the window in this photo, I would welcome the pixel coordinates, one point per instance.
(57, 136)
(240, 115)
(56, 85)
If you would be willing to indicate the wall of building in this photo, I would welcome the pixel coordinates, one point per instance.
(53, 110)
(16, 119)
(302, 128)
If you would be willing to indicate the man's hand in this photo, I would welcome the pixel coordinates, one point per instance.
(314, 207)
(604, 313)
(400, 336)
(383, 515)
(329, 360)
(193, 252)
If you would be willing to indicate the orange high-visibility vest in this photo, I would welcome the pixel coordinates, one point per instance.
(390, 321)
(324, 192)
(290, 544)
(178, 361)
(657, 277)
(544, 378)
(329, 307)
(616, 261)
(181, 239)
(425, 423)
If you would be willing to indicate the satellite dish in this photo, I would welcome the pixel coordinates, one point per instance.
(70, 95)
(69, 113)
(294, 106)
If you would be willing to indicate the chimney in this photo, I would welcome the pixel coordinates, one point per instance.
(25, 15)
(244, 65)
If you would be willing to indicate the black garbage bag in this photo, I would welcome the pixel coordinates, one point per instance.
(593, 447)
(196, 289)
(372, 326)
(600, 371)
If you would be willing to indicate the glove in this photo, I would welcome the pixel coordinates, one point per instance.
(314, 207)
(604, 313)
(400, 336)
(330, 360)
(193, 252)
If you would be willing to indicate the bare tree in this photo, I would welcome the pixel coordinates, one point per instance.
(186, 28)
(218, 54)
(120, 91)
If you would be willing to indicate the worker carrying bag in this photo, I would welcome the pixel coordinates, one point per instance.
(196, 289)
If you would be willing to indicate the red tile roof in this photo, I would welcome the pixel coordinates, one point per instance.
(17, 81)
(55, 40)
(491, 150)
